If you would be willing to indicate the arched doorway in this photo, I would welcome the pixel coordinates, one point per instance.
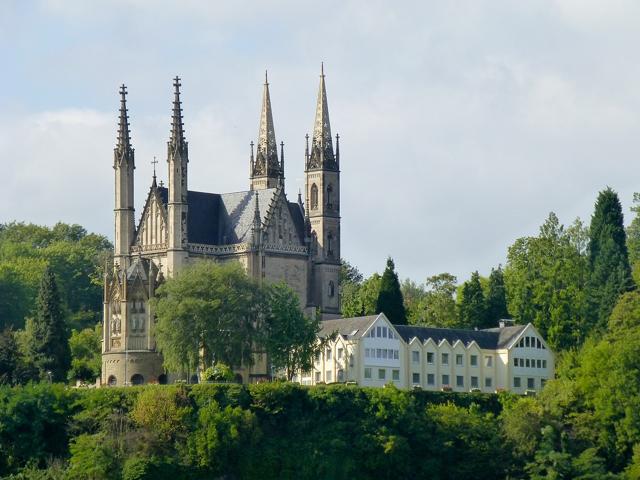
(162, 379)
(137, 379)
(194, 379)
(112, 381)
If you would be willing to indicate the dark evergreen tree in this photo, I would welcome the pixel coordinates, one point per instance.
(610, 273)
(390, 300)
(49, 342)
(9, 357)
(496, 297)
(471, 307)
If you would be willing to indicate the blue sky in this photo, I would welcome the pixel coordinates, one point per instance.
(462, 123)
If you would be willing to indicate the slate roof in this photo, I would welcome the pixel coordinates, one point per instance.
(227, 218)
(490, 339)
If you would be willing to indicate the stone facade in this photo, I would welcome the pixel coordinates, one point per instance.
(272, 238)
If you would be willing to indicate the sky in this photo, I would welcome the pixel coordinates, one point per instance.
(462, 123)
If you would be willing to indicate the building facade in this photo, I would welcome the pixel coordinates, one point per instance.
(373, 352)
(273, 238)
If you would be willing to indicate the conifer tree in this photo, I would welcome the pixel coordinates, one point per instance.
(49, 342)
(496, 297)
(390, 301)
(472, 309)
(610, 273)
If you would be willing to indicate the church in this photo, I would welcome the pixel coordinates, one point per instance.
(275, 239)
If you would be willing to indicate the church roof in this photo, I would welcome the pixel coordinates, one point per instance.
(227, 218)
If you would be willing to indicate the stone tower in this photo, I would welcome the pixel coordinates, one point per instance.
(265, 171)
(123, 164)
(177, 206)
(322, 185)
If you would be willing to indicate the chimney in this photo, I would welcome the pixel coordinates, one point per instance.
(506, 322)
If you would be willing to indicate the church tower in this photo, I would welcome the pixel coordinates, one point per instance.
(123, 164)
(322, 184)
(177, 159)
(265, 171)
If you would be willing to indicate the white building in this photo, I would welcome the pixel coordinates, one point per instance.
(373, 352)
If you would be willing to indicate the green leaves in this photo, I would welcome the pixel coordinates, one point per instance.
(390, 301)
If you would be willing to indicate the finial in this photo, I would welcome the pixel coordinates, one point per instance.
(154, 162)
(256, 212)
(177, 127)
(337, 149)
(266, 78)
(123, 123)
(322, 69)
(177, 84)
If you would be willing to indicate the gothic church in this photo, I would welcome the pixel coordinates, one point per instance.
(273, 238)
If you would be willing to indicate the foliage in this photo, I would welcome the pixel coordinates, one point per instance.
(472, 308)
(360, 299)
(546, 279)
(496, 299)
(85, 354)
(208, 311)
(48, 343)
(413, 295)
(76, 258)
(9, 357)
(610, 273)
(219, 372)
(287, 334)
(390, 301)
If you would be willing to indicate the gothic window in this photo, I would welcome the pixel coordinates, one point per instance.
(330, 244)
(332, 289)
(314, 197)
(112, 381)
(330, 196)
(137, 379)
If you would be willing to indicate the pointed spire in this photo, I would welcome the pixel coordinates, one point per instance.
(300, 203)
(154, 162)
(123, 145)
(282, 162)
(321, 146)
(338, 150)
(266, 162)
(256, 213)
(177, 127)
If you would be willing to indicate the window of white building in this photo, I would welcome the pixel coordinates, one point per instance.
(431, 379)
(488, 382)
(516, 382)
(430, 356)
(445, 380)
(395, 375)
(367, 372)
(445, 359)
(488, 361)
(531, 383)
(474, 382)
(328, 375)
(340, 351)
(328, 354)
(459, 359)
(474, 360)
(318, 377)
(415, 378)
(415, 356)
(382, 374)
(459, 381)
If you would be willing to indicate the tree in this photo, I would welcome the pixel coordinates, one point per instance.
(86, 359)
(413, 295)
(9, 357)
(496, 297)
(436, 305)
(546, 279)
(209, 313)
(633, 233)
(610, 273)
(361, 299)
(289, 336)
(472, 309)
(49, 339)
(390, 300)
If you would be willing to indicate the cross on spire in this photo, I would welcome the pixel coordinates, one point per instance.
(154, 162)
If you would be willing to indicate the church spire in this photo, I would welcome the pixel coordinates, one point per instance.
(177, 127)
(321, 145)
(124, 151)
(266, 169)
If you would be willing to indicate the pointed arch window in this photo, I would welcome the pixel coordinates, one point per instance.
(332, 288)
(330, 196)
(314, 196)
(330, 244)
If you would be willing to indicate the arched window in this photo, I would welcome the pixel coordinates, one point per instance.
(162, 379)
(314, 196)
(332, 288)
(137, 379)
(112, 381)
(330, 244)
(330, 196)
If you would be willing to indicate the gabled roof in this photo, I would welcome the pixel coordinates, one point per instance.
(227, 218)
(348, 328)
(490, 339)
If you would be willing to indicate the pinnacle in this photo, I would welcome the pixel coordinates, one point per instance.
(177, 127)
(124, 140)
